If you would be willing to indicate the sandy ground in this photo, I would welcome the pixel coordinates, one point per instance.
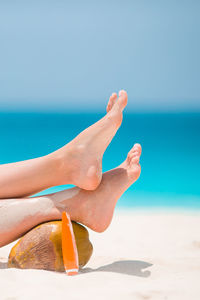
(143, 255)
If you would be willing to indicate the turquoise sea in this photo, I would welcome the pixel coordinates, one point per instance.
(170, 160)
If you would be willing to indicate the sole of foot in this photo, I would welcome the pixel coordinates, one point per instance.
(97, 208)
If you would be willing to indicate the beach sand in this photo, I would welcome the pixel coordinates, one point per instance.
(142, 255)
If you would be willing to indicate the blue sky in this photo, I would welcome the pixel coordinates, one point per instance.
(68, 55)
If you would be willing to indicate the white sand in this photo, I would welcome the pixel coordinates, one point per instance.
(143, 255)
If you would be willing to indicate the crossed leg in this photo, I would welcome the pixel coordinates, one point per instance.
(79, 162)
(91, 208)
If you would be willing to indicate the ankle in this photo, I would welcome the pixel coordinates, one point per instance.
(58, 165)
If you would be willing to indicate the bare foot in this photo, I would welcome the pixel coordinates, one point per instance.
(95, 208)
(81, 159)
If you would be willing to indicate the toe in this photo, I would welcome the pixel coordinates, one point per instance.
(123, 93)
(111, 101)
(135, 159)
(123, 99)
(136, 149)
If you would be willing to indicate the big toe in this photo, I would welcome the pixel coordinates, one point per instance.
(111, 101)
(136, 149)
(123, 99)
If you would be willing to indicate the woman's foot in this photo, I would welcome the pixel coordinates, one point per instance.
(95, 208)
(91, 208)
(81, 159)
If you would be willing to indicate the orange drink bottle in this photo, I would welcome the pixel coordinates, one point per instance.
(69, 249)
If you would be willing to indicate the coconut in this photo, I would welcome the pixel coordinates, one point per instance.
(41, 247)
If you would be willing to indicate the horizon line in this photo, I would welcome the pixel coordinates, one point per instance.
(96, 111)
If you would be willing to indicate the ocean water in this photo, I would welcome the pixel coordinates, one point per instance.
(170, 159)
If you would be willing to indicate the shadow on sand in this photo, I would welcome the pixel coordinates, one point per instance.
(3, 265)
(129, 267)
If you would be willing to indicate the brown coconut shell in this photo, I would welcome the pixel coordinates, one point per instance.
(41, 247)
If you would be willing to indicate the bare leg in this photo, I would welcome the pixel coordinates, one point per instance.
(78, 163)
(91, 208)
